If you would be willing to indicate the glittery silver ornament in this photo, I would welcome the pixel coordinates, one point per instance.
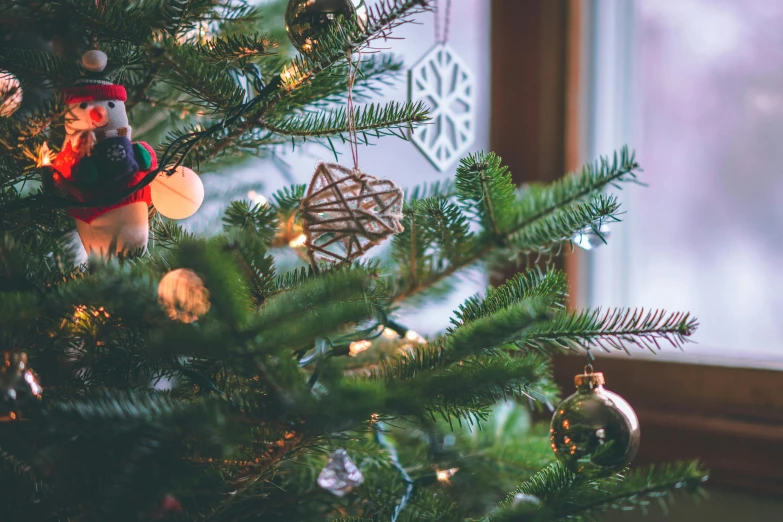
(590, 239)
(340, 475)
(19, 386)
(521, 499)
(594, 432)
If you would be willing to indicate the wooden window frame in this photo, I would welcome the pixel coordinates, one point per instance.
(729, 418)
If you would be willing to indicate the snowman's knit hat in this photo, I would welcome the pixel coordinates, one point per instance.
(95, 86)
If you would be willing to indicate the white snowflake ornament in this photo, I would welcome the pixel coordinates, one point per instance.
(445, 83)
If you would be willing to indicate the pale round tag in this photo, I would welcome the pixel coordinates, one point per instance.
(177, 196)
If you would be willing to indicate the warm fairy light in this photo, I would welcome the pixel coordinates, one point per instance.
(257, 199)
(33, 382)
(566, 424)
(292, 76)
(84, 312)
(299, 241)
(44, 156)
(444, 475)
(414, 337)
(374, 417)
(200, 33)
(357, 347)
(389, 333)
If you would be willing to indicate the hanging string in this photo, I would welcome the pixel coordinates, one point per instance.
(353, 139)
(589, 361)
(446, 23)
(102, 6)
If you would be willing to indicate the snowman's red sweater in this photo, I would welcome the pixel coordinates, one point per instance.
(67, 162)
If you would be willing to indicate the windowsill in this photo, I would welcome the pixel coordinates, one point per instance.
(703, 356)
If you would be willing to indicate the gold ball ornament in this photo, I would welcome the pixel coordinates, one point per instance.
(183, 296)
(594, 432)
(179, 195)
(10, 93)
(305, 20)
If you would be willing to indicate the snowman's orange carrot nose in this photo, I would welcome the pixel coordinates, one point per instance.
(97, 114)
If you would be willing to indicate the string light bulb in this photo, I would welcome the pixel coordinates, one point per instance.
(298, 242)
(257, 199)
(357, 347)
(44, 156)
(414, 337)
(388, 333)
(444, 475)
(292, 77)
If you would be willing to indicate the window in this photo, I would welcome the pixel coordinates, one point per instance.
(696, 87)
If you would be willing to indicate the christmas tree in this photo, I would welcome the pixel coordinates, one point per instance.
(205, 378)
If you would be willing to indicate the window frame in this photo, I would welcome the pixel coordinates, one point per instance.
(731, 418)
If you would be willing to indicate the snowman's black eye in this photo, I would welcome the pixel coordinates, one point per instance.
(111, 105)
(83, 105)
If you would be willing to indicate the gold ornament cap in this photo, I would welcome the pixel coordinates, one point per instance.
(589, 380)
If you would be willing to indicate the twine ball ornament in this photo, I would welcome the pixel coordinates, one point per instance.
(594, 432)
(183, 296)
(306, 19)
(179, 195)
(10, 93)
(346, 212)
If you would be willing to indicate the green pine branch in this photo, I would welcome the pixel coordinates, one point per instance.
(287, 200)
(210, 83)
(538, 220)
(555, 228)
(613, 329)
(436, 236)
(532, 284)
(484, 188)
(484, 335)
(167, 233)
(237, 50)
(561, 495)
(260, 219)
(374, 119)
(541, 200)
(499, 377)
(39, 68)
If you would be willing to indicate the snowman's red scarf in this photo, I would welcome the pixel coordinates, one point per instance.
(63, 176)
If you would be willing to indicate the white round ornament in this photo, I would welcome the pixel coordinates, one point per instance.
(10, 93)
(177, 196)
(95, 60)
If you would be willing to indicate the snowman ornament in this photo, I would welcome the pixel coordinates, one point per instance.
(98, 160)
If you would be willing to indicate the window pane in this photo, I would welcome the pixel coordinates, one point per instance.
(707, 120)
